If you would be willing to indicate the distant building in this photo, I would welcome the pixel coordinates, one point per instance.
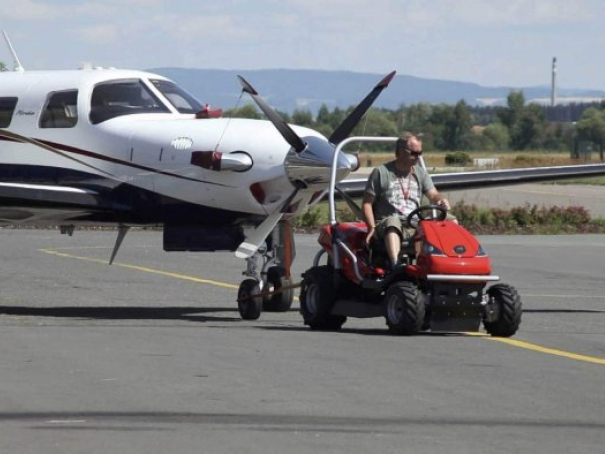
(560, 101)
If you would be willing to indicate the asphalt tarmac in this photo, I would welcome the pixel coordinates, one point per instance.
(591, 197)
(149, 355)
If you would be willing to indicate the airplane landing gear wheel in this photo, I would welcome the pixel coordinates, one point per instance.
(249, 305)
(276, 280)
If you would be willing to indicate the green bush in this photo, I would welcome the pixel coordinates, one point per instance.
(458, 158)
(309, 219)
(526, 219)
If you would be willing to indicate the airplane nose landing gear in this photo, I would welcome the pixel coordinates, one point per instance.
(268, 285)
(249, 303)
(274, 293)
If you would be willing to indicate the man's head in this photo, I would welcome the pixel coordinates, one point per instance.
(407, 149)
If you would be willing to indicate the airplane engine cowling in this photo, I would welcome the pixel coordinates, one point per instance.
(237, 161)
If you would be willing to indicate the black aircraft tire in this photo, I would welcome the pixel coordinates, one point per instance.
(317, 297)
(280, 302)
(404, 309)
(249, 306)
(509, 311)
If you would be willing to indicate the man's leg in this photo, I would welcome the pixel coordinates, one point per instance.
(393, 237)
(392, 241)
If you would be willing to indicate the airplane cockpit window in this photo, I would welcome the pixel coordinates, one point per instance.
(61, 110)
(123, 97)
(179, 98)
(7, 108)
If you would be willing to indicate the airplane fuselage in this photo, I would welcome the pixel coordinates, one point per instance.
(122, 146)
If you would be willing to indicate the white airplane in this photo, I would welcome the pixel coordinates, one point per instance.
(122, 147)
(131, 148)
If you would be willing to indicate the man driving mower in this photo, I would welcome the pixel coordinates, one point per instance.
(393, 191)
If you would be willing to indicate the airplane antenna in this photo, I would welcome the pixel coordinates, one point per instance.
(16, 61)
(229, 121)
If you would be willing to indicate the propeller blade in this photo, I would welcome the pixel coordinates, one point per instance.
(349, 123)
(250, 245)
(287, 133)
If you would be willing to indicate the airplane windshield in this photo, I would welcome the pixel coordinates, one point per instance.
(179, 98)
(123, 97)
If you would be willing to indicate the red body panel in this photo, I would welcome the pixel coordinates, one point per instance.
(353, 235)
(447, 235)
(459, 246)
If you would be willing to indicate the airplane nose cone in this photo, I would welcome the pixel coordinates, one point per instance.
(312, 165)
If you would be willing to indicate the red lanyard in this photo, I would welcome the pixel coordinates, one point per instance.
(406, 190)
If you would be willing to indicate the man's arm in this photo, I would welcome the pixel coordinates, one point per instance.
(436, 199)
(368, 213)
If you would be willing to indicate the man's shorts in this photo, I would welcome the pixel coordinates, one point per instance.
(396, 223)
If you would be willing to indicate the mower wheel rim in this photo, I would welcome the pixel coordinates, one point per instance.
(311, 300)
(395, 309)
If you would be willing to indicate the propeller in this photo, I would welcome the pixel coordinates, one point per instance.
(349, 123)
(283, 128)
(315, 154)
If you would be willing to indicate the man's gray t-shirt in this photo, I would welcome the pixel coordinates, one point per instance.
(395, 193)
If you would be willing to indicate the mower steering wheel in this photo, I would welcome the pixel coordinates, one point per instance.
(430, 214)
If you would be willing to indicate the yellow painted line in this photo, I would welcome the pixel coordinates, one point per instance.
(541, 349)
(548, 351)
(143, 269)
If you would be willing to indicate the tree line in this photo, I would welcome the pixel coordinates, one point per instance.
(516, 126)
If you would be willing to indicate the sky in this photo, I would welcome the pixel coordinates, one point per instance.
(492, 43)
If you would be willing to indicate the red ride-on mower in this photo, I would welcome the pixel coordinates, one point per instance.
(440, 285)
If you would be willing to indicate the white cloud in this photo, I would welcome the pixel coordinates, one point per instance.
(31, 10)
(201, 27)
(99, 34)
(424, 13)
(489, 42)
(501, 12)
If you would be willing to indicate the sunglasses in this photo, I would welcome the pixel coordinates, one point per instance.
(412, 152)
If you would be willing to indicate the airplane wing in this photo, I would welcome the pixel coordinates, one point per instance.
(354, 187)
(37, 202)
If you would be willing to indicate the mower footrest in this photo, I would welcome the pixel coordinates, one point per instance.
(462, 277)
(357, 309)
(372, 284)
(455, 324)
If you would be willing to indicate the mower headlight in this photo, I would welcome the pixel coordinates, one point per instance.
(429, 249)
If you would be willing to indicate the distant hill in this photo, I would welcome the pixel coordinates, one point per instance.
(287, 89)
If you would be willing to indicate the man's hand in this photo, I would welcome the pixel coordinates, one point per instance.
(444, 203)
(371, 231)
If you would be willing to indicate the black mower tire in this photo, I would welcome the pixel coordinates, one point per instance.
(404, 309)
(248, 305)
(317, 296)
(509, 311)
(276, 280)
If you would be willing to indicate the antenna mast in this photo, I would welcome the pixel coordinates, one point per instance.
(553, 93)
(16, 62)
